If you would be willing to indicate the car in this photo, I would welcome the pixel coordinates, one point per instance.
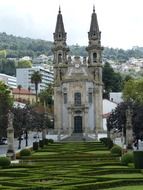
(35, 136)
(3, 141)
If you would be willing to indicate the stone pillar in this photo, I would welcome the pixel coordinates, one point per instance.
(129, 129)
(86, 122)
(69, 123)
(58, 111)
(10, 137)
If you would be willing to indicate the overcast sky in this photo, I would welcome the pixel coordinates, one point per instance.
(120, 21)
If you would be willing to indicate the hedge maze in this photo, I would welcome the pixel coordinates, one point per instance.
(70, 166)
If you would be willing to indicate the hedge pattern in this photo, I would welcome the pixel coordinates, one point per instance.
(69, 166)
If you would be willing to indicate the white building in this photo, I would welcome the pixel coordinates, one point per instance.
(24, 78)
(108, 107)
(116, 97)
(9, 80)
(78, 84)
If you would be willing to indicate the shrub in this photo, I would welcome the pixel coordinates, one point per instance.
(107, 142)
(127, 158)
(41, 143)
(138, 159)
(35, 145)
(46, 141)
(4, 161)
(116, 150)
(25, 152)
(50, 140)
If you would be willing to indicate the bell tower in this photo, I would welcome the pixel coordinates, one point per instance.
(60, 48)
(94, 50)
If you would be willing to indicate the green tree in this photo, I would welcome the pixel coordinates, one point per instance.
(112, 81)
(6, 102)
(133, 91)
(2, 53)
(36, 78)
(117, 119)
(24, 64)
(46, 96)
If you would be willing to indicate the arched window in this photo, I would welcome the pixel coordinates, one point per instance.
(59, 58)
(77, 98)
(94, 57)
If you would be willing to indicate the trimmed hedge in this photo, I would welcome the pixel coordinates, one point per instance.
(35, 145)
(41, 143)
(107, 142)
(116, 150)
(127, 158)
(25, 152)
(138, 159)
(4, 162)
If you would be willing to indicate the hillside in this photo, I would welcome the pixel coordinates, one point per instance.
(19, 47)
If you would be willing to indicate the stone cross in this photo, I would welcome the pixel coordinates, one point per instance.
(10, 136)
(129, 128)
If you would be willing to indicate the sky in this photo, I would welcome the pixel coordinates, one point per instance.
(120, 21)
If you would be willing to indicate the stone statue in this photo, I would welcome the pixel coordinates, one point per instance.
(129, 128)
(10, 136)
(10, 117)
(129, 118)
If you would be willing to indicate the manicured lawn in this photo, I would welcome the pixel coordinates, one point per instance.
(140, 187)
(70, 166)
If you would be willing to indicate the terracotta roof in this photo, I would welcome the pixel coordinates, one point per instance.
(22, 91)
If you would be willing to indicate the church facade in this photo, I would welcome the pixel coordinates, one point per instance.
(77, 83)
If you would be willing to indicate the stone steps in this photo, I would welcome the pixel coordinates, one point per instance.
(77, 137)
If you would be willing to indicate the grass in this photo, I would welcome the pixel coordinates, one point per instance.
(137, 187)
(70, 166)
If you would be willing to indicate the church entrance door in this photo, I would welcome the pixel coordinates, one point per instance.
(77, 124)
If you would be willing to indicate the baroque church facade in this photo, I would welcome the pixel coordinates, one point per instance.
(77, 83)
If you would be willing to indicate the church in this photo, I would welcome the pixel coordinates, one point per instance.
(77, 83)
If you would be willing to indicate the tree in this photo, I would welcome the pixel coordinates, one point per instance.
(117, 119)
(2, 54)
(46, 96)
(6, 103)
(133, 91)
(112, 81)
(24, 64)
(36, 78)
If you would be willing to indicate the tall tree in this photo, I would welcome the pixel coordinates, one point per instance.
(117, 119)
(6, 102)
(112, 80)
(46, 96)
(24, 64)
(133, 91)
(36, 78)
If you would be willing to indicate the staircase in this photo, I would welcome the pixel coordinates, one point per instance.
(77, 137)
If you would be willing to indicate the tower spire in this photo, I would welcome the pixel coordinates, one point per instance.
(94, 32)
(60, 48)
(59, 9)
(93, 8)
(60, 33)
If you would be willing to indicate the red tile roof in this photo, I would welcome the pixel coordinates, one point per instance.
(23, 91)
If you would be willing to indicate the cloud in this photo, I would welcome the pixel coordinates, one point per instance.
(120, 21)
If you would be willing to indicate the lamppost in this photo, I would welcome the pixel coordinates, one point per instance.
(19, 140)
